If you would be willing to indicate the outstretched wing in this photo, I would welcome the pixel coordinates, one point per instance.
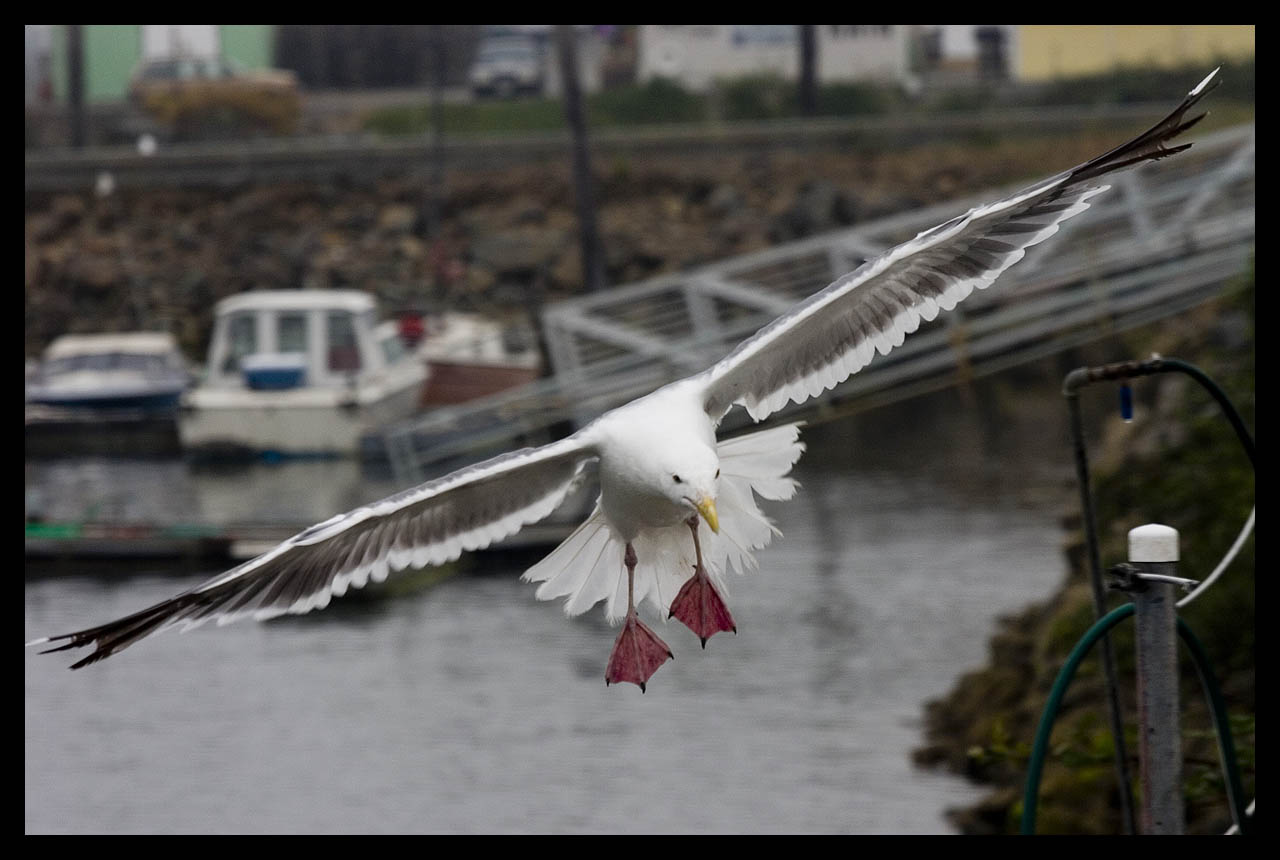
(836, 332)
(428, 524)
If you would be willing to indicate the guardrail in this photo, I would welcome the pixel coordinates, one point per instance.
(366, 158)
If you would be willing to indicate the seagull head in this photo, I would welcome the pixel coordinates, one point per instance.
(691, 481)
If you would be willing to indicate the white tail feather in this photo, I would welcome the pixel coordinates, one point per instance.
(587, 567)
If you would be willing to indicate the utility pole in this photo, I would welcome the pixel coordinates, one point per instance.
(436, 192)
(592, 258)
(808, 62)
(75, 83)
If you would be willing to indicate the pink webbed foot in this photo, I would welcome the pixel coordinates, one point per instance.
(637, 654)
(701, 608)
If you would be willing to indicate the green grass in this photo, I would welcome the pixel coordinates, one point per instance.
(770, 97)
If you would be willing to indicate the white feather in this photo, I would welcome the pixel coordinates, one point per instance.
(587, 568)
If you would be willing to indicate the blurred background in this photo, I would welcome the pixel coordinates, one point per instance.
(273, 272)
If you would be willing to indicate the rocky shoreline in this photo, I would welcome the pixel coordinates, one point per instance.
(507, 241)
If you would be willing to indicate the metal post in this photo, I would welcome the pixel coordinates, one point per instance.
(75, 83)
(1070, 388)
(592, 254)
(1153, 549)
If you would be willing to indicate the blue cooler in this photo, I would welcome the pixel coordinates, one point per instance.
(274, 371)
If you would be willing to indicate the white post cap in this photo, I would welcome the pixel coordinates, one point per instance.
(1153, 542)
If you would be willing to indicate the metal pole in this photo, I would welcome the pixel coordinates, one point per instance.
(808, 64)
(1114, 715)
(439, 71)
(1153, 549)
(75, 83)
(592, 255)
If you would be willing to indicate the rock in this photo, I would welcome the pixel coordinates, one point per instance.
(97, 274)
(411, 248)
(733, 229)
(1232, 331)
(65, 212)
(725, 200)
(815, 210)
(567, 271)
(479, 279)
(528, 211)
(397, 219)
(520, 250)
(510, 295)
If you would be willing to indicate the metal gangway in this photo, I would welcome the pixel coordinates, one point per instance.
(1168, 236)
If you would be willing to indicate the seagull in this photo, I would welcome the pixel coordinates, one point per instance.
(663, 473)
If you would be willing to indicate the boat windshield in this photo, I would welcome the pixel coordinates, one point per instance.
(344, 349)
(393, 348)
(149, 363)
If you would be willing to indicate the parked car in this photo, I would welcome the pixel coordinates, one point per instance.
(507, 66)
(189, 94)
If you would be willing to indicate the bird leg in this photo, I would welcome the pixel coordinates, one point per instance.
(637, 652)
(698, 605)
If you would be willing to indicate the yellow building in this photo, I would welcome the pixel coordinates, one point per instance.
(1047, 51)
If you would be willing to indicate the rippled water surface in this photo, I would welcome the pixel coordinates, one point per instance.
(467, 706)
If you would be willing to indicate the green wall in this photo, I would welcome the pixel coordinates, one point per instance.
(112, 51)
(249, 45)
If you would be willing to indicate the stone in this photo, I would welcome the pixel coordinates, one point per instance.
(397, 218)
(518, 250)
(725, 200)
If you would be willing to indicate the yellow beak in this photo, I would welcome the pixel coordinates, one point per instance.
(707, 507)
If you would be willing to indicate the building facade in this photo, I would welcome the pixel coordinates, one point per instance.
(697, 55)
(1049, 51)
(111, 52)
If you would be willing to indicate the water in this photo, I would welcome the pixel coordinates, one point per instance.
(470, 707)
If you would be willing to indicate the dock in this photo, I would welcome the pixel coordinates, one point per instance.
(202, 542)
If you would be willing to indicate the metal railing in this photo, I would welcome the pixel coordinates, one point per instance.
(322, 158)
(1165, 238)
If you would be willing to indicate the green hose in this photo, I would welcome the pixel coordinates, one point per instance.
(1209, 681)
(1224, 402)
(1032, 794)
(1218, 709)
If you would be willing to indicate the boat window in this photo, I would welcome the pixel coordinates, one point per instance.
(291, 333)
(344, 350)
(242, 340)
(106, 361)
(393, 347)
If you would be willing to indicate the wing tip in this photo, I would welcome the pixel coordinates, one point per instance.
(1200, 87)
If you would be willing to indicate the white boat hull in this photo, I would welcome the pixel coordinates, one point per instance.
(299, 421)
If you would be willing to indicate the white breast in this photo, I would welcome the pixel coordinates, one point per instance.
(636, 441)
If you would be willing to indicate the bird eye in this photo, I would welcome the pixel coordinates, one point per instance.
(676, 478)
(717, 473)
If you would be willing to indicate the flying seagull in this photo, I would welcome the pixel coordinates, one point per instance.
(663, 474)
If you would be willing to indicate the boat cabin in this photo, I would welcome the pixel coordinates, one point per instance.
(276, 339)
(123, 370)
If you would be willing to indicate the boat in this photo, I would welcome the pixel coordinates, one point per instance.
(299, 373)
(131, 370)
(470, 356)
(105, 394)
